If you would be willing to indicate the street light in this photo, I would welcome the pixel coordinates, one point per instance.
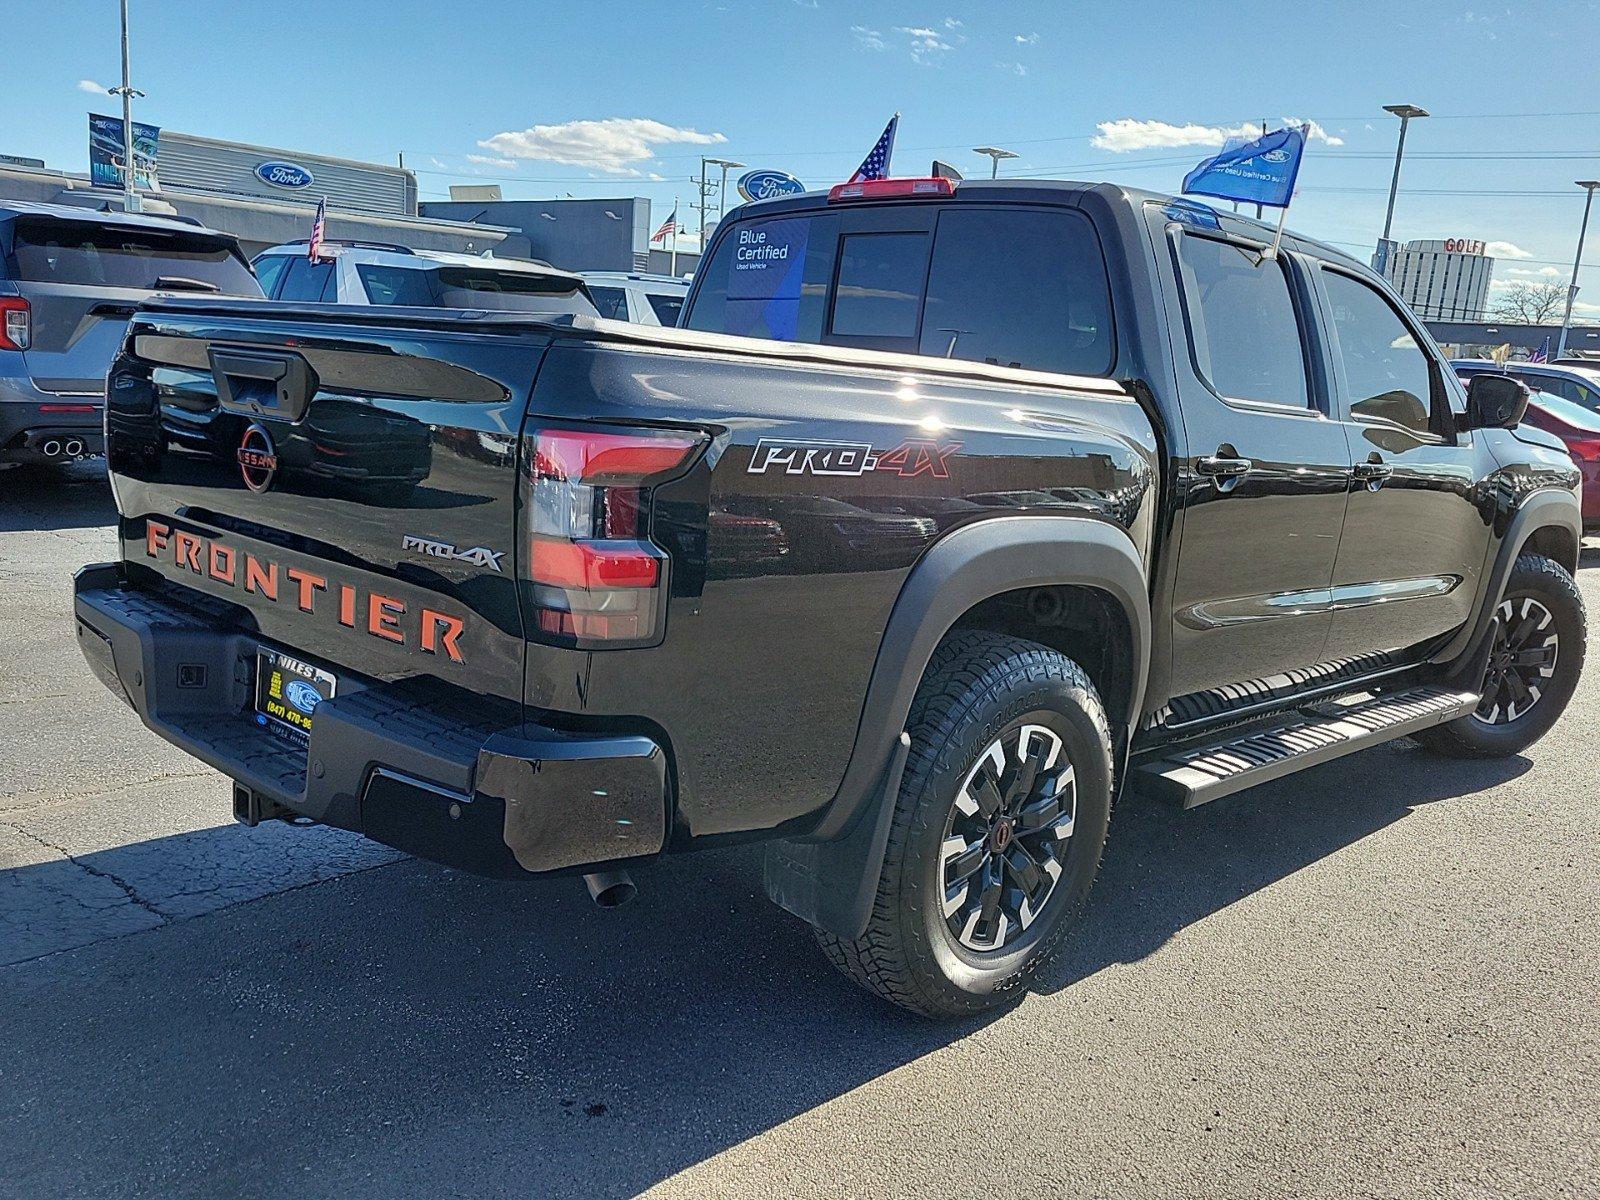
(995, 155)
(1589, 186)
(130, 197)
(1405, 112)
(727, 164)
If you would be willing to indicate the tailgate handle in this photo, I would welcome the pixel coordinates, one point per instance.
(259, 383)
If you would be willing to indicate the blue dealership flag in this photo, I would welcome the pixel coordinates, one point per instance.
(876, 164)
(1260, 171)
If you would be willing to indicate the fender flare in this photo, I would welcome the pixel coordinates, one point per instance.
(830, 876)
(1548, 509)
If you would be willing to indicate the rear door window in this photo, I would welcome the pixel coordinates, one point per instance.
(668, 308)
(269, 272)
(1021, 288)
(1243, 330)
(309, 282)
(85, 254)
(611, 301)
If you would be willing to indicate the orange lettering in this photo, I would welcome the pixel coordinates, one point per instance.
(382, 612)
(155, 538)
(432, 622)
(220, 563)
(258, 578)
(347, 605)
(308, 583)
(186, 550)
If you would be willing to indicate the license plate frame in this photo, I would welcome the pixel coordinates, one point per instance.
(284, 689)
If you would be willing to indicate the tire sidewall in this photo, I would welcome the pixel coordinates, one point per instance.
(1072, 714)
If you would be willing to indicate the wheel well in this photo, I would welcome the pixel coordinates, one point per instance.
(1555, 542)
(1084, 623)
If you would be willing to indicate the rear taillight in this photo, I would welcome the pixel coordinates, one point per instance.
(16, 323)
(883, 189)
(595, 577)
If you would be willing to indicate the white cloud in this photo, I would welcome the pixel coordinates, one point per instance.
(1025, 39)
(1540, 273)
(484, 160)
(440, 163)
(89, 85)
(927, 44)
(1012, 68)
(609, 145)
(951, 23)
(1130, 133)
(869, 39)
(1506, 250)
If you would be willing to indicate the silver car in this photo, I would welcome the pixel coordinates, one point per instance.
(69, 279)
(642, 299)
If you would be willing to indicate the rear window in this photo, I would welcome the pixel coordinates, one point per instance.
(1243, 329)
(396, 285)
(611, 301)
(667, 308)
(88, 255)
(515, 291)
(1011, 286)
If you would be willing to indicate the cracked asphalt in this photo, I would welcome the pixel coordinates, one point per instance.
(1375, 978)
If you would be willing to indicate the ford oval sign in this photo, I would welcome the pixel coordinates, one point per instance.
(285, 175)
(302, 695)
(768, 185)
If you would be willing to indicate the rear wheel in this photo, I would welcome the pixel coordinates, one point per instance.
(1534, 664)
(997, 833)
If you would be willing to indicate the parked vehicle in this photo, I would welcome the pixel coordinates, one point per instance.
(1566, 403)
(643, 299)
(378, 273)
(763, 576)
(69, 278)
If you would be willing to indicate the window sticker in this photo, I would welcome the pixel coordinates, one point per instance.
(765, 274)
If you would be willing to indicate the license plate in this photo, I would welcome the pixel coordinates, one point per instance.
(288, 691)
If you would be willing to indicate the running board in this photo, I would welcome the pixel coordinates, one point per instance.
(1198, 773)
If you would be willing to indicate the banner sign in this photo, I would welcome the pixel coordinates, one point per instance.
(768, 185)
(106, 167)
(1261, 171)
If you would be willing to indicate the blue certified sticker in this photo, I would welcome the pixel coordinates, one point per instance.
(302, 695)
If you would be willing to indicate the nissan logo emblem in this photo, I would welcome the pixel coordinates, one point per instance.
(258, 459)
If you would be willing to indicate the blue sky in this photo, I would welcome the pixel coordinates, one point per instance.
(621, 97)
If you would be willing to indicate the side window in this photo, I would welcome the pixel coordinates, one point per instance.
(878, 293)
(396, 285)
(1386, 373)
(1018, 288)
(1242, 324)
(667, 308)
(308, 281)
(269, 272)
(612, 302)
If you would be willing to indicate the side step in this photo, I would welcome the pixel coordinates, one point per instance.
(1195, 774)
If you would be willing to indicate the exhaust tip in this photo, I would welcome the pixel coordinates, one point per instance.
(74, 448)
(51, 449)
(610, 889)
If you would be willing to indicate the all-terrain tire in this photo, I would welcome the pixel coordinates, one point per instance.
(978, 689)
(1546, 583)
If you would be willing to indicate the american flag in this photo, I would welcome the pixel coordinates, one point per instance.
(319, 230)
(1542, 354)
(668, 227)
(876, 164)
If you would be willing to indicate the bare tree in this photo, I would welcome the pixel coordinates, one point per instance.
(1530, 303)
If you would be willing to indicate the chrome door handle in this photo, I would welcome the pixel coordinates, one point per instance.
(1372, 472)
(1223, 468)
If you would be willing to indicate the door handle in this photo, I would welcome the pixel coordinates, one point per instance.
(1219, 467)
(1372, 473)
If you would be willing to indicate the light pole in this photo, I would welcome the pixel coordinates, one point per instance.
(130, 197)
(1589, 186)
(727, 164)
(1405, 112)
(995, 155)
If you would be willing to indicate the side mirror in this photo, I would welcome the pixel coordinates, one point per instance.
(1495, 401)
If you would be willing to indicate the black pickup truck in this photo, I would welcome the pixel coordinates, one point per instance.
(952, 511)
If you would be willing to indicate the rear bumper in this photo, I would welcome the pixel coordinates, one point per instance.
(450, 779)
(31, 432)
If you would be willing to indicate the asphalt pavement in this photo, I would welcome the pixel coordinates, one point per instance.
(1379, 977)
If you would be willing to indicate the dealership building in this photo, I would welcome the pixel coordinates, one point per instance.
(1444, 280)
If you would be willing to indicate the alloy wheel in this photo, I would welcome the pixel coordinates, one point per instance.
(1521, 661)
(1006, 838)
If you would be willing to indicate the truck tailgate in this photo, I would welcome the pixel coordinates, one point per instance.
(349, 483)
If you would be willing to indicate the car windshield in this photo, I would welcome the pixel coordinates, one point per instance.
(90, 255)
(1567, 412)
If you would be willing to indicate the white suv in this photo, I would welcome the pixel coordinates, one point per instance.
(643, 299)
(373, 273)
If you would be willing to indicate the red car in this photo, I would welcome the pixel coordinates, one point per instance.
(1579, 428)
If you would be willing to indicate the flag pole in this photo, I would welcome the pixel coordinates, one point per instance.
(1277, 238)
(673, 269)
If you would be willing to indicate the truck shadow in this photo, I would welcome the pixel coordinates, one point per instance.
(419, 1031)
(48, 498)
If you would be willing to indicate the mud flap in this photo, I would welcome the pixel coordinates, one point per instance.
(832, 884)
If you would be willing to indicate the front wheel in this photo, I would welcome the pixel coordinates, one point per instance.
(1540, 639)
(997, 833)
